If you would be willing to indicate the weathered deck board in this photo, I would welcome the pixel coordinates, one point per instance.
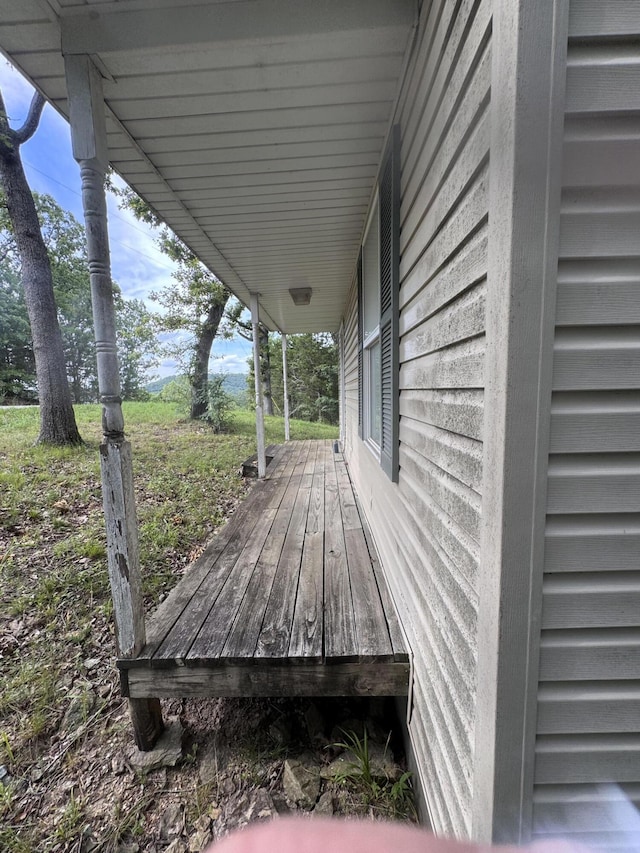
(288, 599)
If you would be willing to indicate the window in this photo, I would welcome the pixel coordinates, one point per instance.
(378, 283)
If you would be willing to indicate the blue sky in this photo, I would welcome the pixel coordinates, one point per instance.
(138, 266)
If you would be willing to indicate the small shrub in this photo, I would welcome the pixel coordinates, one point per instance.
(219, 406)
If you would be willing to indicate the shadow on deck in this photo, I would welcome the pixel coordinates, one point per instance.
(287, 600)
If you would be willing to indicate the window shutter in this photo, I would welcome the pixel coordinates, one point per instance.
(360, 353)
(389, 303)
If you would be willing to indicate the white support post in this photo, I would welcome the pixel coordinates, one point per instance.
(88, 134)
(285, 385)
(255, 322)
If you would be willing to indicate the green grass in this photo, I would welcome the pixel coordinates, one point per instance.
(53, 569)
(57, 609)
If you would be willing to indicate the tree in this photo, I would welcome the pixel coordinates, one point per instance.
(17, 367)
(136, 329)
(245, 329)
(312, 362)
(137, 334)
(196, 306)
(57, 420)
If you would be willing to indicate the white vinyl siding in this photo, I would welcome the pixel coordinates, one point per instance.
(588, 719)
(427, 526)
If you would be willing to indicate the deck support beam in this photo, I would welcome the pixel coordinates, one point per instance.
(255, 326)
(285, 387)
(88, 134)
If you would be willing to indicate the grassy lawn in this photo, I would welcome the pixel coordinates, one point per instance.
(55, 626)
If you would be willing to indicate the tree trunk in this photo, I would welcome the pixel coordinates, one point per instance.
(265, 370)
(57, 419)
(199, 378)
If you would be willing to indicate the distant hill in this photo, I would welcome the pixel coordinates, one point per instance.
(234, 383)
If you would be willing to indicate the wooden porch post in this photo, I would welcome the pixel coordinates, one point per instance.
(285, 382)
(88, 134)
(255, 322)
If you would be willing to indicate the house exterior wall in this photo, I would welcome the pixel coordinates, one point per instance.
(588, 714)
(427, 527)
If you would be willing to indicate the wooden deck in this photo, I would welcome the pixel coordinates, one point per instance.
(287, 600)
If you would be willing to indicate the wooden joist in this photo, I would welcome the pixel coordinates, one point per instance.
(287, 600)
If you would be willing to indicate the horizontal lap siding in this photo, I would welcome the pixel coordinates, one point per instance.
(589, 695)
(427, 527)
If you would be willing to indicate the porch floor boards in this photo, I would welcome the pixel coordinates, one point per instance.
(287, 600)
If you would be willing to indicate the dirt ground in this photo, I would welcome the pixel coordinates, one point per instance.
(222, 764)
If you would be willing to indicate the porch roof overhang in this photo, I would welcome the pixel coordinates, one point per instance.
(254, 128)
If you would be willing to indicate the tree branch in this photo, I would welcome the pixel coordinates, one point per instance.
(29, 127)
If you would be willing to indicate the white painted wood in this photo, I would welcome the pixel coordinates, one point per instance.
(285, 388)
(89, 147)
(240, 21)
(255, 322)
(528, 53)
(86, 111)
(122, 546)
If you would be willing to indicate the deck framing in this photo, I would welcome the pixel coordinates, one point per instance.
(288, 599)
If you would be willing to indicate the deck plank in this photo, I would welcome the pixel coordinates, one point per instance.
(350, 679)
(400, 652)
(308, 619)
(369, 616)
(273, 641)
(243, 637)
(186, 624)
(169, 611)
(210, 640)
(287, 600)
(340, 631)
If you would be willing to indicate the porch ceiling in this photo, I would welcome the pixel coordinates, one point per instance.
(254, 127)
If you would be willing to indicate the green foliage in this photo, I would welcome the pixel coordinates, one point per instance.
(177, 391)
(392, 799)
(219, 405)
(312, 362)
(137, 334)
(17, 365)
(138, 348)
(194, 305)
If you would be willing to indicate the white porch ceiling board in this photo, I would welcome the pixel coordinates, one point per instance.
(259, 120)
(257, 167)
(287, 153)
(159, 107)
(270, 179)
(121, 28)
(312, 134)
(240, 81)
(276, 201)
(257, 137)
(348, 43)
(251, 77)
(309, 189)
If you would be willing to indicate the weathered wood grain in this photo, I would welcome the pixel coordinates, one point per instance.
(307, 630)
(369, 616)
(273, 641)
(349, 679)
(255, 601)
(243, 637)
(340, 631)
(211, 637)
